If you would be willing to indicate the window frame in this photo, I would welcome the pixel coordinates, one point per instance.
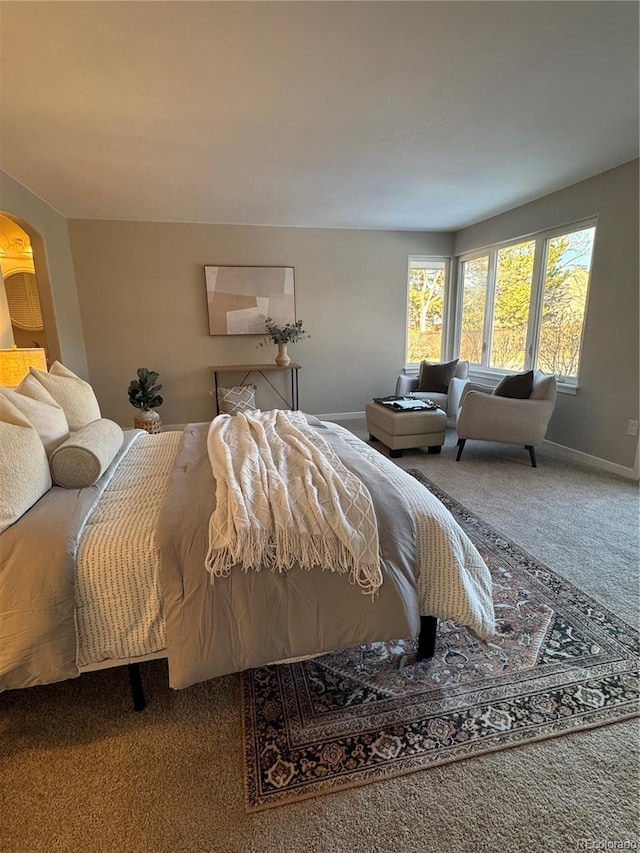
(447, 312)
(542, 240)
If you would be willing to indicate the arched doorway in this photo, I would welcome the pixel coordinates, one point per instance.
(26, 310)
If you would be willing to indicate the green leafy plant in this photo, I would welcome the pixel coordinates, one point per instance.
(290, 333)
(143, 391)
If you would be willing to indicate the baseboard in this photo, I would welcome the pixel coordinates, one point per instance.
(595, 461)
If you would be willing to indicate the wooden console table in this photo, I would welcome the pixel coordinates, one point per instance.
(248, 369)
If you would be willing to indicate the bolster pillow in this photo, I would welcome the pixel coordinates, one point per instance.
(86, 454)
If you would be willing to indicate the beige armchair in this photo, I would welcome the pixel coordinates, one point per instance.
(449, 402)
(488, 417)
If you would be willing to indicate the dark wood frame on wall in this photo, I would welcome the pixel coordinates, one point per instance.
(239, 298)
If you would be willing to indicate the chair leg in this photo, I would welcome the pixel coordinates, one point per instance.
(532, 454)
(461, 443)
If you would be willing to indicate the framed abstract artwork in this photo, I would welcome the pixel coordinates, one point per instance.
(239, 298)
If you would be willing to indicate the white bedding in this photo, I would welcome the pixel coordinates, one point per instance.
(119, 612)
(118, 598)
(444, 589)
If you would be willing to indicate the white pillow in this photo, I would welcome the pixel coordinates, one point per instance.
(24, 468)
(41, 410)
(73, 394)
(85, 456)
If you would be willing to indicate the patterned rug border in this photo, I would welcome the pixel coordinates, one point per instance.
(625, 635)
(632, 642)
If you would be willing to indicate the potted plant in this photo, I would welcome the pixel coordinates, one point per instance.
(143, 394)
(290, 333)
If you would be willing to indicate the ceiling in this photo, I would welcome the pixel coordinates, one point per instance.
(387, 115)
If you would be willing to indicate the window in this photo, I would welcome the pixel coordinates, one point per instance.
(475, 278)
(564, 302)
(523, 304)
(426, 309)
(23, 300)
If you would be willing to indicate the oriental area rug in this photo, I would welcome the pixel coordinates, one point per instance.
(559, 663)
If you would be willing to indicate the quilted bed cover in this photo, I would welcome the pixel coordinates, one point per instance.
(244, 620)
(251, 618)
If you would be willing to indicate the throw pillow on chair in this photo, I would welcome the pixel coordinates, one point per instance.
(436, 377)
(518, 387)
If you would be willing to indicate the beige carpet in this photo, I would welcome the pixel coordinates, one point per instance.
(79, 771)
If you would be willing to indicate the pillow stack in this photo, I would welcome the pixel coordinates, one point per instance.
(40, 409)
(24, 468)
(51, 430)
(73, 395)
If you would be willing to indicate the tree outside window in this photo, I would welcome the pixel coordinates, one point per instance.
(427, 282)
(475, 276)
(511, 306)
(566, 281)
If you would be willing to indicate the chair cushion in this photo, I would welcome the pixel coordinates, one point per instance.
(518, 387)
(436, 376)
(434, 396)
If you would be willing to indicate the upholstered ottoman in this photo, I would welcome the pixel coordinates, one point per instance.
(401, 430)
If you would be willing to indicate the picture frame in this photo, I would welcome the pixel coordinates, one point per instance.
(240, 298)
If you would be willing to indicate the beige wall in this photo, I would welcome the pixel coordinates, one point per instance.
(594, 421)
(49, 235)
(143, 304)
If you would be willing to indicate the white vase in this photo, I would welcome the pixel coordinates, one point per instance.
(282, 358)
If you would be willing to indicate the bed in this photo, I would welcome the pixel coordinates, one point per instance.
(113, 573)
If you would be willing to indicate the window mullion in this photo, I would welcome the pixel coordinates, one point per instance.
(448, 313)
(489, 308)
(458, 307)
(535, 304)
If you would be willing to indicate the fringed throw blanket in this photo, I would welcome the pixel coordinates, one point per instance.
(284, 498)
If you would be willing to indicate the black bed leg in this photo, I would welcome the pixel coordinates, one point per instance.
(427, 637)
(137, 690)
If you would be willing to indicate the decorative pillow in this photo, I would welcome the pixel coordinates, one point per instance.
(85, 456)
(238, 398)
(73, 394)
(519, 386)
(24, 468)
(41, 410)
(436, 376)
